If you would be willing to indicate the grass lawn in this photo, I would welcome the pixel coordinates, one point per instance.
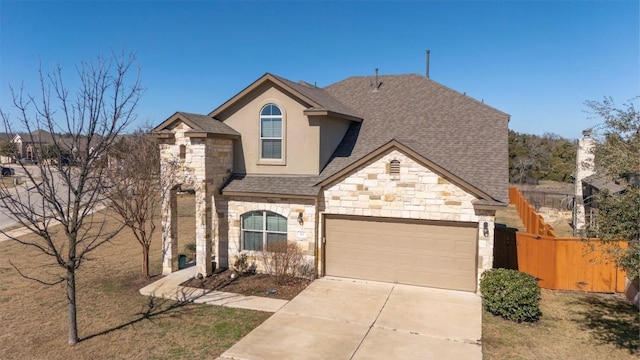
(574, 325)
(114, 320)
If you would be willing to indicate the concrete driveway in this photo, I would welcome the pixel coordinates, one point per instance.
(338, 318)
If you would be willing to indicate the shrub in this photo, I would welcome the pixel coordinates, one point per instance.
(191, 249)
(511, 294)
(242, 265)
(283, 260)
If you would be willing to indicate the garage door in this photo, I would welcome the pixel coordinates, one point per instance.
(400, 252)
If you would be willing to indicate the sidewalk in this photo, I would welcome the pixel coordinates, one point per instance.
(15, 233)
(169, 288)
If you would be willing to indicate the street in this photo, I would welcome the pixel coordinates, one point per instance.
(26, 193)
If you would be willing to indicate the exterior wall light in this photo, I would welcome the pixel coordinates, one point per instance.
(485, 229)
(300, 219)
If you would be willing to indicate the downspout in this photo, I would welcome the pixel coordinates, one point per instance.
(317, 253)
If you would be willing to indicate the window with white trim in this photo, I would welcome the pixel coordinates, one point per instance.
(271, 132)
(263, 228)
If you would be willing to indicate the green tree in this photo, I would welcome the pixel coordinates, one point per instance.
(7, 148)
(533, 158)
(618, 155)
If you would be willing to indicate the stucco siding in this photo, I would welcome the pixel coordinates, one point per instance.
(301, 142)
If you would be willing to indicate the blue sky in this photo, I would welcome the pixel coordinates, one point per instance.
(538, 61)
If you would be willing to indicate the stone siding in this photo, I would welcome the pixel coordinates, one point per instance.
(415, 193)
(206, 165)
(304, 235)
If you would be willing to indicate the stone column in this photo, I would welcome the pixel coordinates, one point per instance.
(584, 168)
(203, 229)
(169, 233)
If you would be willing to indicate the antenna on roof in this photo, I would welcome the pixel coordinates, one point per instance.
(428, 61)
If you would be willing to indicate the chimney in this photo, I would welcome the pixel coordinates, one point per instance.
(585, 167)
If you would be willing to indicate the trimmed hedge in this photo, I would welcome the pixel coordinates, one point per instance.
(511, 294)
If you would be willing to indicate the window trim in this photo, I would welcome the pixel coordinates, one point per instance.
(282, 138)
(264, 230)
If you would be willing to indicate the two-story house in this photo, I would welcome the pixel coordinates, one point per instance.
(390, 178)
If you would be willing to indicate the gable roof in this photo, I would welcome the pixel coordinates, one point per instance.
(449, 129)
(200, 123)
(458, 137)
(318, 100)
(39, 135)
(394, 144)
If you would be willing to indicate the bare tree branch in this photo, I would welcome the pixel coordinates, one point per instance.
(71, 134)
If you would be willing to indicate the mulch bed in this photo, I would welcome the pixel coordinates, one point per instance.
(250, 284)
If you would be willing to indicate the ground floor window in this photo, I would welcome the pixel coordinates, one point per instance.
(263, 228)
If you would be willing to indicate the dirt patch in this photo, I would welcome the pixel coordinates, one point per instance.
(560, 220)
(251, 285)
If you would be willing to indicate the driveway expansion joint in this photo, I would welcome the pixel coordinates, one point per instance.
(373, 323)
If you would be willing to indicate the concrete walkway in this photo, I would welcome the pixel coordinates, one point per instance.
(169, 288)
(15, 233)
(351, 319)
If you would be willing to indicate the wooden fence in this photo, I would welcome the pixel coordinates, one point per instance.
(565, 263)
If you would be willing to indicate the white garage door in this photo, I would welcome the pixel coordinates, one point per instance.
(402, 252)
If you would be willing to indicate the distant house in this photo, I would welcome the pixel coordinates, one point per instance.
(26, 144)
(597, 183)
(390, 178)
(31, 145)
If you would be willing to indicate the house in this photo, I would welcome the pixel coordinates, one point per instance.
(391, 178)
(26, 145)
(41, 144)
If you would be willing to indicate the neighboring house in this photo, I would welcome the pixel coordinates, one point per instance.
(596, 183)
(391, 178)
(26, 144)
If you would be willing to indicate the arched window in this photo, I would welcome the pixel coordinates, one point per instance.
(271, 132)
(263, 228)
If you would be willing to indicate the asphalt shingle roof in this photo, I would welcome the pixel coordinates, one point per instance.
(450, 129)
(320, 96)
(209, 124)
(602, 182)
(462, 135)
(273, 185)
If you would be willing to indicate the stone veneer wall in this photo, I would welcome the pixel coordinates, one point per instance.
(206, 165)
(288, 208)
(416, 193)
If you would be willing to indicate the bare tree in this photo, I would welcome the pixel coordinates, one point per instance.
(58, 202)
(137, 189)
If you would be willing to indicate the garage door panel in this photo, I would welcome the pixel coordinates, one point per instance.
(409, 253)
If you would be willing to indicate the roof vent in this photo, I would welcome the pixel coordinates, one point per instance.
(377, 83)
(428, 61)
(304, 83)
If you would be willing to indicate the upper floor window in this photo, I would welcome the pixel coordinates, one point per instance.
(271, 132)
(263, 228)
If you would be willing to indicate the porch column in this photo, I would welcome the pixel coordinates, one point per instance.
(169, 232)
(203, 229)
